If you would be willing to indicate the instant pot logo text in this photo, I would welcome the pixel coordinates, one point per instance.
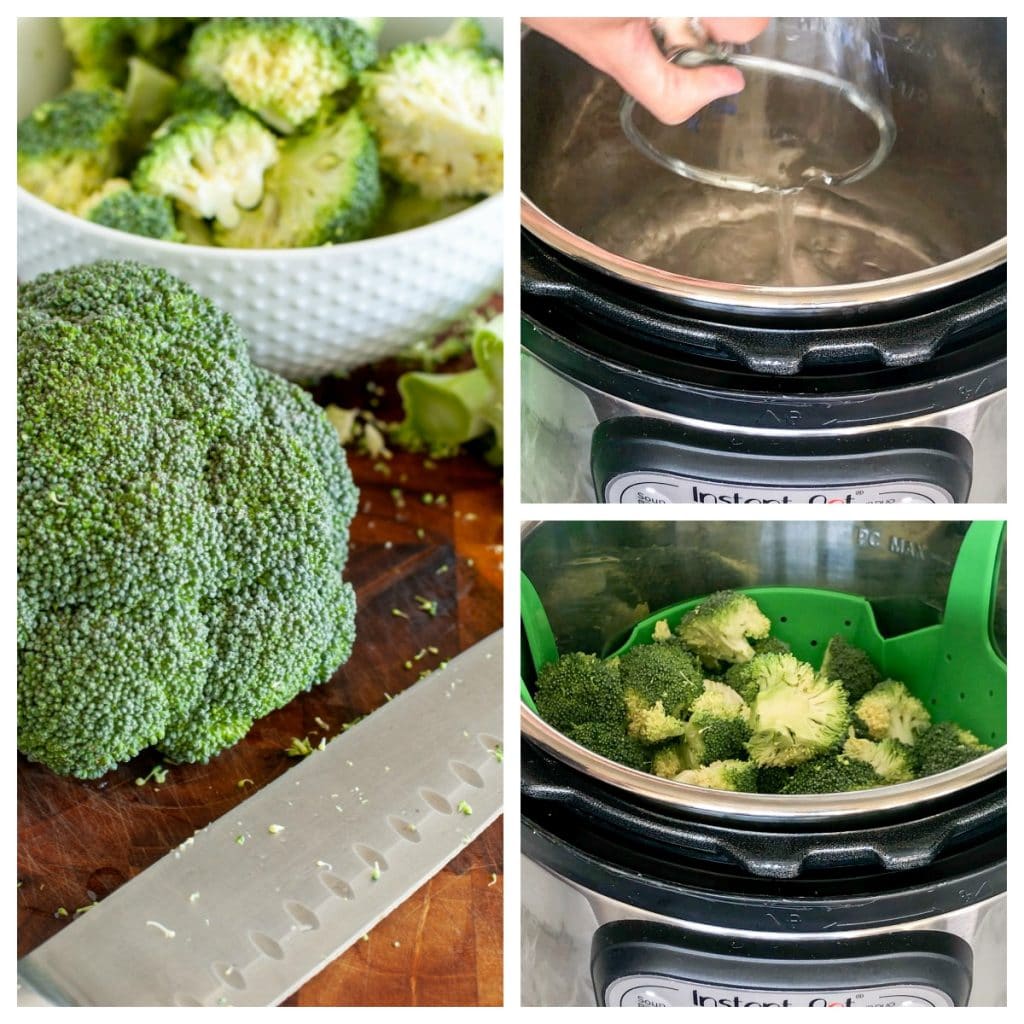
(702, 999)
(739, 498)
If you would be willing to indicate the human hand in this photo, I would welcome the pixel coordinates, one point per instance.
(626, 49)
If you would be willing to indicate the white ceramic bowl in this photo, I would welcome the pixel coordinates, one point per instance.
(306, 312)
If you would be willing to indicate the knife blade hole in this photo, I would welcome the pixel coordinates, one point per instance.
(229, 974)
(406, 829)
(302, 915)
(436, 801)
(266, 945)
(488, 742)
(338, 886)
(468, 775)
(371, 856)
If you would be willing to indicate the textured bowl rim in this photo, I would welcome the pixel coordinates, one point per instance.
(211, 252)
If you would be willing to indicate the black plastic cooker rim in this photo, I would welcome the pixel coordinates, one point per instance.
(827, 355)
(705, 879)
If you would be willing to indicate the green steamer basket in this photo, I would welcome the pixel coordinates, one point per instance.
(953, 667)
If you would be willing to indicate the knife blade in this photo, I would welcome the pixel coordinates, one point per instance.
(256, 903)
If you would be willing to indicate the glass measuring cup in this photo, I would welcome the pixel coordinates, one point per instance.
(814, 108)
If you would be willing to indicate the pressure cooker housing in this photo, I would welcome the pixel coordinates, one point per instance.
(641, 383)
(650, 895)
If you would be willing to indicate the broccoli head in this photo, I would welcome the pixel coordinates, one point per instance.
(719, 627)
(117, 205)
(733, 775)
(183, 525)
(851, 666)
(577, 689)
(723, 719)
(772, 778)
(890, 711)
(282, 69)
(833, 774)
(69, 146)
(945, 745)
(892, 761)
(795, 716)
(211, 165)
(437, 112)
(325, 188)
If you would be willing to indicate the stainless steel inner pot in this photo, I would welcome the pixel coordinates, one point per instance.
(596, 580)
(932, 215)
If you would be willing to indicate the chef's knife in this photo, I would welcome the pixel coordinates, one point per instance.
(260, 900)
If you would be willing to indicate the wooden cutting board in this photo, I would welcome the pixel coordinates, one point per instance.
(78, 841)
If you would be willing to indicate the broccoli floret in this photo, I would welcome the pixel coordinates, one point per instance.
(147, 97)
(660, 682)
(851, 666)
(890, 710)
(409, 208)
(723, 719)
(444, 411)
(213, 166)
(770, 645)
(69, 146)
(183, 525)
(772, 778)
(192, 95)
(610, 741)
(437, 113)
(578, 689)
(282, 69)
(105, 44)
(465, 33)
(892, 761)
(667, 761)
(733, 775)
(117, 205)
(324, 189)
(718, 628)
(795, 716)
(833, 774)
(945, 745)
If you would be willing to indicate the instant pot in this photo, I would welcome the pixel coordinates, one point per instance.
(663, 360)
(642, 891)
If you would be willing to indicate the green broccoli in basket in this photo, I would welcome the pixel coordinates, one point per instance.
(721, 626)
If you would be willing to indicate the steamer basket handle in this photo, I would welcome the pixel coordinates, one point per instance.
(539, 637)
(967, 621)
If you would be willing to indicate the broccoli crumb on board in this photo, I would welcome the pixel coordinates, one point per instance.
(767, 722)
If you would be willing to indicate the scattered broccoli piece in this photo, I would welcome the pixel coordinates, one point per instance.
(282, 69)
(892, 761)
(851, 666)
(795, 716)
(945, 745)
(733, 775)
(437, 113)
(578, 689)
(833, 774)
(117, 205)
(325, 188)
(667, 761)
(443, 411)
(723, 719)
(610, 741)
(69, 146)
(183, 525)
(211, 165)
(718, 628)
(890, 710)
